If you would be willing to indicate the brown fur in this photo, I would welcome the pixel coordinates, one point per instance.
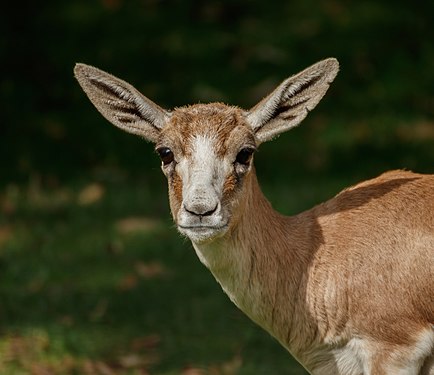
(216, 121)
(175, 189)
(347, 286)
(328, 274)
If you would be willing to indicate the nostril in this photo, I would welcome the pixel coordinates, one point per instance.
(210, 212)
(190, 211)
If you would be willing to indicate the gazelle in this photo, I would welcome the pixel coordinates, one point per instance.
(347, 287)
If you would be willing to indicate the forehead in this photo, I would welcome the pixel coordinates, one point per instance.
(221, 124)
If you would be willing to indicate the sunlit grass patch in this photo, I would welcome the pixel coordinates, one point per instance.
(105, 285)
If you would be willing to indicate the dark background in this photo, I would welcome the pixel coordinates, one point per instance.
(179, 52)
(93, 277)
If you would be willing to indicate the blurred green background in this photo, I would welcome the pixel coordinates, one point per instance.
(93, 277)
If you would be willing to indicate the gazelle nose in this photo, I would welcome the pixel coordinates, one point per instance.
(199, 209)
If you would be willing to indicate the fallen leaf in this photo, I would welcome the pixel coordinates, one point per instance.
(5, 234)
(90, 194)
(89, 368)
(7, 206)
(134, 360)
(23, 348)
(150, 270)
(66, 320)
(193, 371)
(133, 224)
(40, 369)
(104, 369)
(128, 282)
(145, 342)
(232, 366)
(419, 131)
(131, 360)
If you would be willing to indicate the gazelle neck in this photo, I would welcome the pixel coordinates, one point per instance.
(252, 261)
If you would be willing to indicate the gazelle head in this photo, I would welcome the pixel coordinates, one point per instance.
(207, 149)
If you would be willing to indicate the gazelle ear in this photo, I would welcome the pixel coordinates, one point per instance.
(120, 103)
(290, 102)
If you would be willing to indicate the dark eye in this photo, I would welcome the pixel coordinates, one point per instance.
(244, 156)
(166, 155)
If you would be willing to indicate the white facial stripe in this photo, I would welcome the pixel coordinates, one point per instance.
(202, 214)
(199, 168)
(199, 174)
(204, 153)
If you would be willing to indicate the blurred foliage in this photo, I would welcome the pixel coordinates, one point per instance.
(178, 52)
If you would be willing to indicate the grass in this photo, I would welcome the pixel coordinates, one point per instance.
(95, 280)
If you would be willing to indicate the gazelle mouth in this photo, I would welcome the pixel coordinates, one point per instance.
(202, 227)
(202, 233)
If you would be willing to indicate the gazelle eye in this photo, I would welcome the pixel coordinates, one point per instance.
(244, 156)
(166, 155)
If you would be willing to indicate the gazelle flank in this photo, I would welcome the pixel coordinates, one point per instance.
(347, 287)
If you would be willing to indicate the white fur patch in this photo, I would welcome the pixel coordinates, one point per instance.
(198, 177)
(409, 362)
(201, 216)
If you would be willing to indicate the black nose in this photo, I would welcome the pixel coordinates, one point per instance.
(200, 210)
